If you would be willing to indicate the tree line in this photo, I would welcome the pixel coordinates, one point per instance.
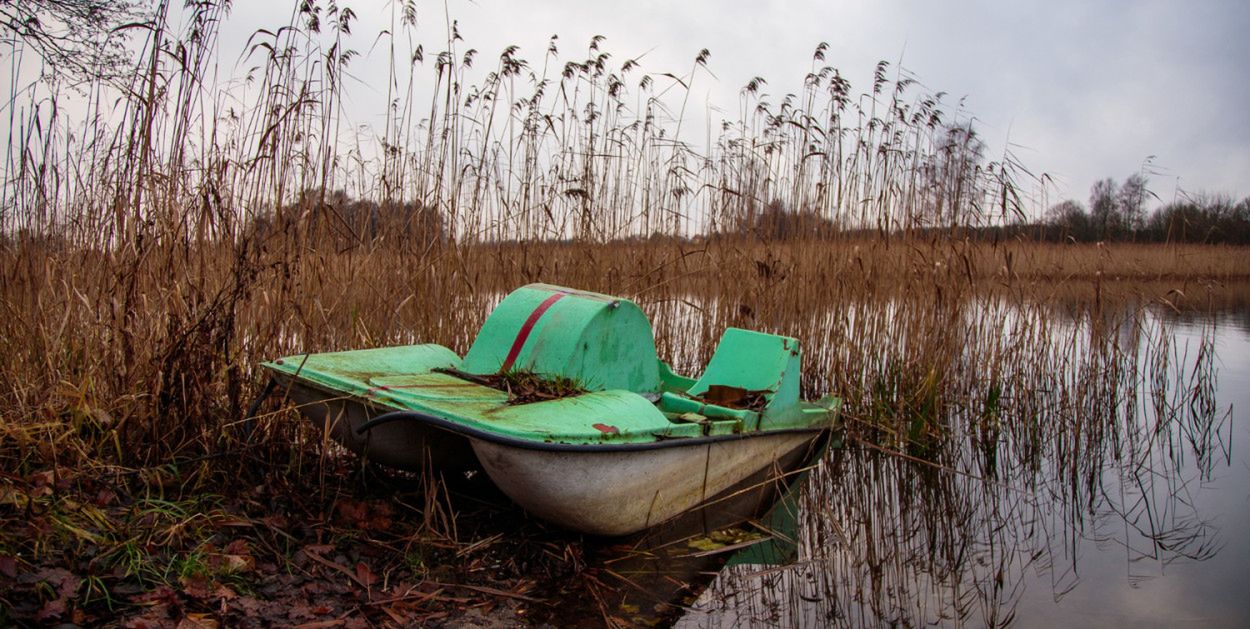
(1117, 212)
(334, 219)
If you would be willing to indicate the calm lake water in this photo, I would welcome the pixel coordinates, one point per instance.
(1126, 504)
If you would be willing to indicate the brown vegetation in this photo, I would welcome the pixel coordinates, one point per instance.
(111, 413)
(152, 255)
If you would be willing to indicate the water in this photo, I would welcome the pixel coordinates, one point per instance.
(1108, 485)
(1118, 493)
(1181, 556)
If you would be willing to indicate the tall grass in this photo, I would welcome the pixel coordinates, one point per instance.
(161, 237)
(587, 146)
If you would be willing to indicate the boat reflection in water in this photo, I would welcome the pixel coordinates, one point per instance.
(652, 577)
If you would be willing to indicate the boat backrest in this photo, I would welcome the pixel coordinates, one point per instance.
(754, 361)
(599, 341)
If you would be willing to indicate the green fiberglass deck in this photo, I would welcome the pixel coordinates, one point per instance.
(568, 373)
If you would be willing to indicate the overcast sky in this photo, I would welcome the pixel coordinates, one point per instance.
(1084, 90)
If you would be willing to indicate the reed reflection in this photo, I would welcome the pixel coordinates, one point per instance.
(978, 463)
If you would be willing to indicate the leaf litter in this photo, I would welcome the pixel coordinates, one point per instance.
(342, 551)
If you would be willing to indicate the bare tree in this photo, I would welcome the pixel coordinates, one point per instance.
(1070, 218)
(79, 39)
(1104, 211)
(1132, 201)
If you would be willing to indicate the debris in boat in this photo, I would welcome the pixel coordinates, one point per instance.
(522, 386)
(735, 397)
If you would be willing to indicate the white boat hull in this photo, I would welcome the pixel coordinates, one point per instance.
(622, 492)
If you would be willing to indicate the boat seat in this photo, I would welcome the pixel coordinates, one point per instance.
(754, 361)
(599, 341)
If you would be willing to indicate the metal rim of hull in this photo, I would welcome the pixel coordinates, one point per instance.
(394, 416)
(551, 446)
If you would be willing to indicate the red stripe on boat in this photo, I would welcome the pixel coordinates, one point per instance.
(528, 327)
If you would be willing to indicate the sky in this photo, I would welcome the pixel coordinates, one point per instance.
(1079, 90)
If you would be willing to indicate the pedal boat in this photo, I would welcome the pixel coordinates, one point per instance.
(618, 444)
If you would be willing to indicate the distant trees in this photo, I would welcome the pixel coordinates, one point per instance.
(1131, 203)
(952, 175)
(1071, 221)
(334, 219)
(338, 221)
(1212, 219)
(776, 222)
(1118, 212)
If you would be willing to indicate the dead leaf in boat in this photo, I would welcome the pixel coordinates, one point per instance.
(735, 397)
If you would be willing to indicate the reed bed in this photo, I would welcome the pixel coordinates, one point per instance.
(154, 249)
(178, 364)
(925, 358)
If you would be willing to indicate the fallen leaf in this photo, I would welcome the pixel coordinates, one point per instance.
(198, 621)
(105, 497)
(145, 623)
(364, 576)
(224, 593)
(351, 512)
(162, 594)
(249, 606)
(64, 581)
(196, 586)
(312, 554)
(13, 497)
(233, 564)
(8, 566)
(52, 609)
(320, 624)
(300, 612)
(395, 616)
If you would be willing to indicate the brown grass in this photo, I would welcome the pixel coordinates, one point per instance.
(167, 352)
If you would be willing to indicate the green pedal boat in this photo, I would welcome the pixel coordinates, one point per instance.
(564, 403)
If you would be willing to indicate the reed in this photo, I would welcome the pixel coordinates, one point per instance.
(1099, 436)
(181, 228)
